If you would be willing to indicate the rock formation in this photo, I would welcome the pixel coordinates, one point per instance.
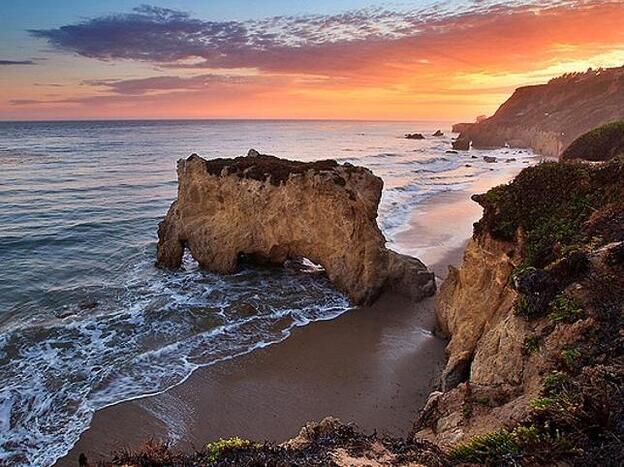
(273, 209)
(414, 136)
(461, 143)
(438, 133)
(548, 117)
(460, 127)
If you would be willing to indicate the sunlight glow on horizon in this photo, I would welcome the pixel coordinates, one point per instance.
(444, 67)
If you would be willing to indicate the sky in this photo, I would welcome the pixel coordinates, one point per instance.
(342, 59)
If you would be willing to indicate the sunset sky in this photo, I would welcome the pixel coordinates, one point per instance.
(360, 59)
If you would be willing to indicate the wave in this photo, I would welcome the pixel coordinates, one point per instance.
(57, 373)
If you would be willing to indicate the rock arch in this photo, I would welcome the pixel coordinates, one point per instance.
(277, 209)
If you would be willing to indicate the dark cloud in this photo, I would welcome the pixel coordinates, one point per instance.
(16, 62)
(170, 37)
(25, 101)
(168, 83)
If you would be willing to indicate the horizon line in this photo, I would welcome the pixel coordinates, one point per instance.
(185, 119)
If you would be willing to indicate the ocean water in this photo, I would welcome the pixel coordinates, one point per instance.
(87, 321)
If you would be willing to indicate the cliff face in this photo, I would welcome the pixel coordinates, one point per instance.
(548, 117)
(535, 315)
(273, 209)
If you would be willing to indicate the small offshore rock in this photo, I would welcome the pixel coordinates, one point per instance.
(438, 133)
(452, 151)
(461, 143)
(490, 159)
(414, 136)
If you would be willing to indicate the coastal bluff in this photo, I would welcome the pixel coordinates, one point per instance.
(548, 117)
(271, 210)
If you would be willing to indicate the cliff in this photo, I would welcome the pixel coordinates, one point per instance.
(534, 314)
(272, 209)
(548, 117)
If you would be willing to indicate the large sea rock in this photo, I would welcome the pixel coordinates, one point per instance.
(273, 209)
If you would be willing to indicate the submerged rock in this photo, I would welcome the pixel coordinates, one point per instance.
(490, 159)
(272, 210)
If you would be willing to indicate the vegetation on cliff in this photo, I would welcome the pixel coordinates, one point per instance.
(600, 144)
(556, 208)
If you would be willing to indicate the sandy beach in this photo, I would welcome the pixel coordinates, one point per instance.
(373, 366)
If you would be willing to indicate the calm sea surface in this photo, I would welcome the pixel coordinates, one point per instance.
(86, 320)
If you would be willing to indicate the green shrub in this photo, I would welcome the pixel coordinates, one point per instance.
(542, 403)
(531, 344)
(527, 435)
(570, 357)
(490, 447)
(216, 449)
(549, 203)
(565, 309)
(524, 308)
(520, 271)
(555, 382)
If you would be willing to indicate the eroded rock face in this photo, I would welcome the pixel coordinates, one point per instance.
(471, 301)
(275, 209)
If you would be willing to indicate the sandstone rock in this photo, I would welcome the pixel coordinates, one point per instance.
(461, 127)
(499, 358)
(273, 209)
(470, 298)
(311, 431)
(461, 143)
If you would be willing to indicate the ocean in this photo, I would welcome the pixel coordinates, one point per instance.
(87, 320)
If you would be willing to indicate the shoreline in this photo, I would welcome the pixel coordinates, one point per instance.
(374, 366)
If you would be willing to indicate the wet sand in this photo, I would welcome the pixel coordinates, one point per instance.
(373, 366)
